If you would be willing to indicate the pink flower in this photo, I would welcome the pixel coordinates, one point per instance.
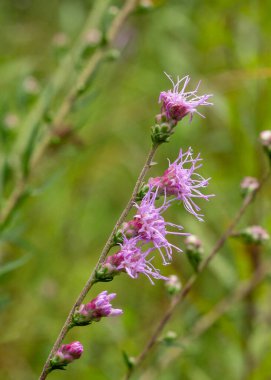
(96, 309)
(149, 225)
(182, 181)
(177, 104)
(132, 260)
(66, 354)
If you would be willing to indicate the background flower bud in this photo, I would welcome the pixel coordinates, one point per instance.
(253, 235)
(265, 139)
(173, 285)
(249, 185)
(194, 250)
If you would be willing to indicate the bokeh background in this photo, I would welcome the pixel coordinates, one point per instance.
(83, 183)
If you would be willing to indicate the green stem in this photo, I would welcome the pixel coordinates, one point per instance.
(91, 281)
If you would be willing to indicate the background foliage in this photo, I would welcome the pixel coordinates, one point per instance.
(81, 186)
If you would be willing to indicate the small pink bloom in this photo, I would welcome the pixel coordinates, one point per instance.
(132, 260)
(149, 225)
(177, 104)
(66, 354)
(96, 309)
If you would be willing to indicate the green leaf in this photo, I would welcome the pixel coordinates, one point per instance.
(128, 360)
(12, 265)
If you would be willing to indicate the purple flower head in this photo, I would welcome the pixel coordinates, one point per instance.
(182, 181)
(177, 104)
(96, 309)
(132, 260)
(66, 354)
(149, 225)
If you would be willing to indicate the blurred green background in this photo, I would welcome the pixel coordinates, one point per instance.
(82, 185)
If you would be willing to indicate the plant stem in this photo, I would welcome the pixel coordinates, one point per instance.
(189, 284)
(217, 311)
(65, 108)
(253, 252)
(102, 257)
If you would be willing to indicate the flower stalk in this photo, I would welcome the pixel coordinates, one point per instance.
(192, 280)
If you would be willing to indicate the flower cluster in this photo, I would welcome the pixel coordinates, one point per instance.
(96, 309)
(66, 354)
(177, 104)
(183, 182)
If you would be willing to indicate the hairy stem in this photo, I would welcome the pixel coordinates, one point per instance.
(102, 257)
(189, 284)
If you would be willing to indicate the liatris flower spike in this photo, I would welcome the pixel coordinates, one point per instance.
(130, 259)
(149, 225)
(96, 309)
(66, 354)
(182, 181)
(178, 103)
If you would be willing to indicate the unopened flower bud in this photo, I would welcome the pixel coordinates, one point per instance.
(105, 273)
(170, 337)
(249, 185)
(96, 309)
(265, 139)
(173, 285)
(66, 354)
(162, 130)
(118, 237)
(142, 192)
(253, 235)
(194, 250)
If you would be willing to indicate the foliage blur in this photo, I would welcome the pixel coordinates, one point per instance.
(82, 184)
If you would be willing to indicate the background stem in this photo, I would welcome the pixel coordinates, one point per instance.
(189, 284)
